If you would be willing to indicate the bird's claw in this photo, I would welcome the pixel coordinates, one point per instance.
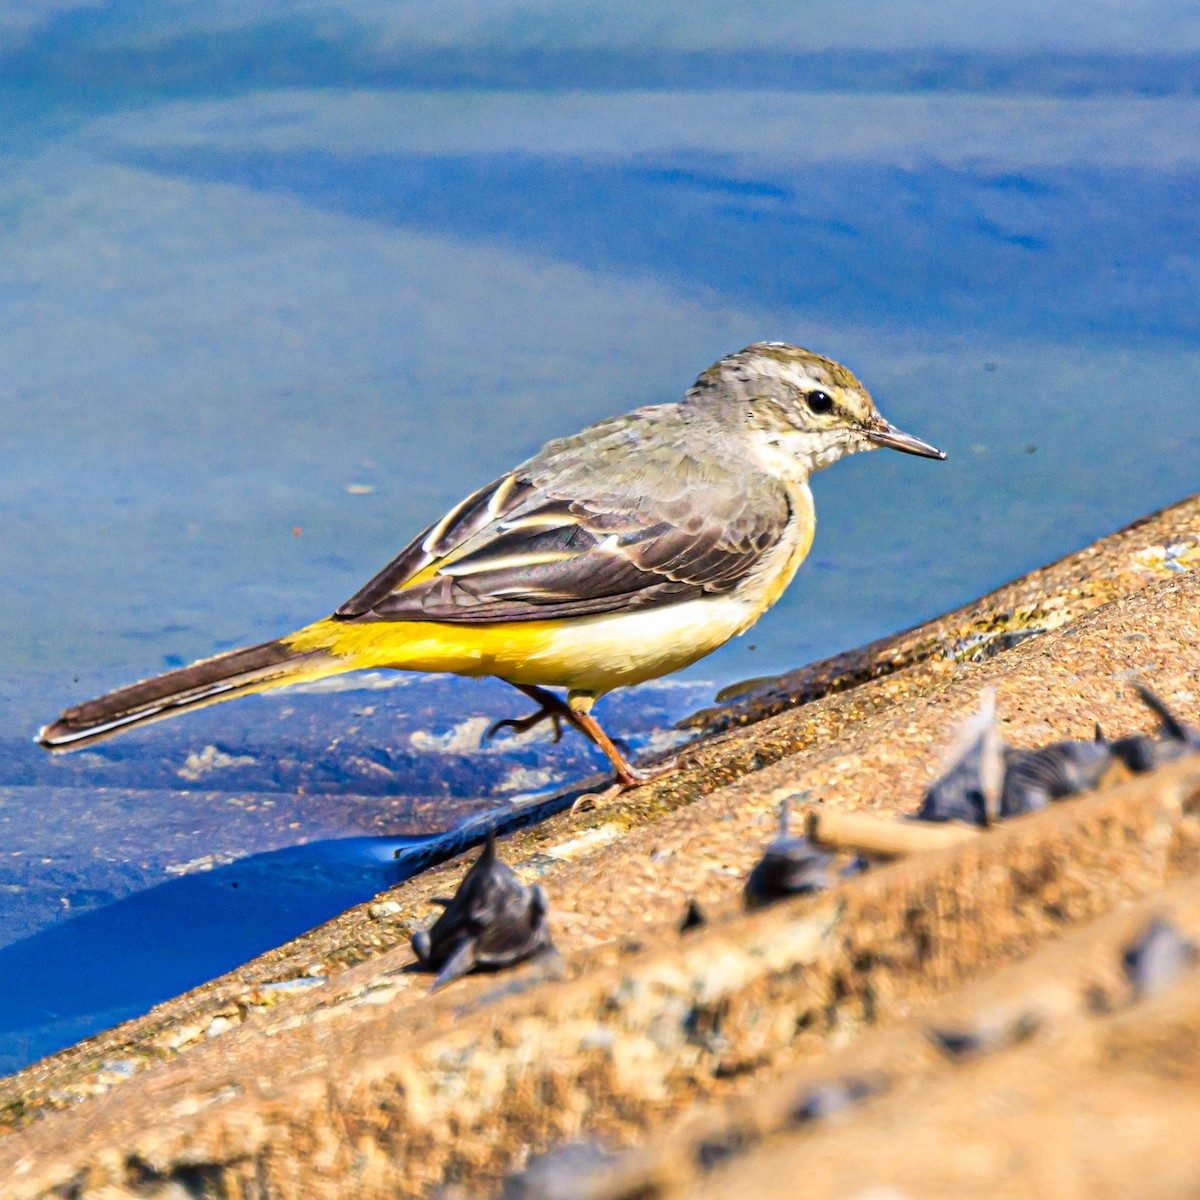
(633, 778)
(640, 775)
(591, 800)
(520, 725)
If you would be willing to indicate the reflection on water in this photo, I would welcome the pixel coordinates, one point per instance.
(275, 291)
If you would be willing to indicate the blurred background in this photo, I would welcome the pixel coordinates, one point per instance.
(279, 282)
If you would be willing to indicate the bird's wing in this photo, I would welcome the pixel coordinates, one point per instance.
(625, 516)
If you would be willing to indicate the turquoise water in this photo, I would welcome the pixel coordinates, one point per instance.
(280, 282)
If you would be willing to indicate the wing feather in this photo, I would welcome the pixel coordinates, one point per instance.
(606, 523)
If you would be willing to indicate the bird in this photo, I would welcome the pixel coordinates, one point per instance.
(613, 556)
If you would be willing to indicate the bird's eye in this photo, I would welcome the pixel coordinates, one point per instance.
(819, 402)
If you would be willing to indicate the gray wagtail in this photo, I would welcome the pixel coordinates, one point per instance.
(611, 557)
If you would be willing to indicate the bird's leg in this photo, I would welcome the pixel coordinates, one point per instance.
(576, 711)
(579, 705)
(551, 708)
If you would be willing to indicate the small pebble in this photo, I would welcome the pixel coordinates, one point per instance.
(563, 1173)
(984, 1039)
(830, 1100)
(710, 1152)
(858, 865)
(958, 1043)
(183, 1036)
(302, 984)
(693, 918)
(123, 1067)
(1157, 957)
(492, 921)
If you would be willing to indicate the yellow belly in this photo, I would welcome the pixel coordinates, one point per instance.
(588, 653)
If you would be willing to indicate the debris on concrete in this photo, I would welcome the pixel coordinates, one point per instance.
(790, 866)
(693, 918)
(1157, 957)
(565, 1173)
(876, 839)
(1174, 739)
(832, 1100)
(985, 780)
(492, 921)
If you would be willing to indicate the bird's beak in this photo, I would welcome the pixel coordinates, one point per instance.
(891, 437)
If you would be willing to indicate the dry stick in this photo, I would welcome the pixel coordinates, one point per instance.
(883, 837)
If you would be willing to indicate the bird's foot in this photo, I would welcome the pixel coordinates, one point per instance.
(628, 779)
(520, 725)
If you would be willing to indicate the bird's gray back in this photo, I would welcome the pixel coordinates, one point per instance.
(664, 462)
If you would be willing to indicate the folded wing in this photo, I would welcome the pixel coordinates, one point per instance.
(577, 532)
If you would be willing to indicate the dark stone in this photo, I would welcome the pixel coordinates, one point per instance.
(492, 921)
(858, 865)
(1142, 752)
(958, 1044)
(693, 918)
(832, 1099)
(563, 1173)
(712, 1151)
(790, 866)
(1157, 957)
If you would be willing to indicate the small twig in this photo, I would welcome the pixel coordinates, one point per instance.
(883, 837)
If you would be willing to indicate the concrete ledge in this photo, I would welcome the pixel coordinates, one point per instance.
(454, 1090)
(1099, 1096)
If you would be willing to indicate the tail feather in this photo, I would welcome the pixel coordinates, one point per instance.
(209, 681)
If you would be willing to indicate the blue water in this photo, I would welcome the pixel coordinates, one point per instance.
(280, 283)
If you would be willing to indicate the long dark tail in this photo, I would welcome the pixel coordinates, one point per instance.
(209, 681)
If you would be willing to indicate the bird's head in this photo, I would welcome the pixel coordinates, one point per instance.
(794, 411)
